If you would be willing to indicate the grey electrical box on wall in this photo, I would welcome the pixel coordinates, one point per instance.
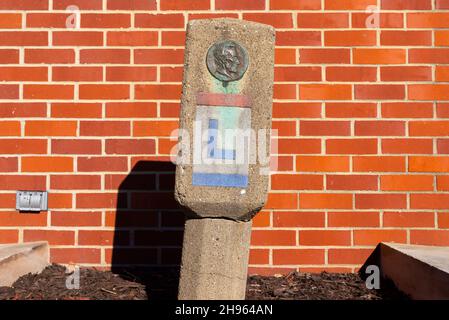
(32, 201)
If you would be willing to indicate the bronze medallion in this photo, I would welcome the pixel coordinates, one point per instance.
(227, 61)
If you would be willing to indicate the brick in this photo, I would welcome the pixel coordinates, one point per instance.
(8, 164)
(284, 163)
(131, 182)
(128, 146)
(407, 145)
(443, 146)
(319, 56)
(325, 201)
(101, 164)
(9, 91)
(173, 38)
(353, 219)
(386, 20)
(426, 55)
(325, 92)
(10, 21)
(351, 74)
(297, 74)
(10, 128)
(47, 20)
(24, 5)
(351, 110)
(142, 256)
(82, 4)
(350, 38)
(75, 255)
(103, 237)
(298, 256)
(196, 16)
(351, 146)
(28, 110)
(442, 73)
(380, 201)
(298, 38)
(298, 219)
(430, 237)
(299, 146)
(324, 237)
(60, 200)
(427, 20)
(442, 4)
(23, 146)
(296, 182)
(47, 164)
(9, 236)
(443, 220)
(379, 128)
(277, 20)
(50, 128)
(296, 110)
(160, 128)
(77, 74)
(239, 5)
(323, 20)
(156, 21)
(171, 74)
(104, 91)
(132, 5)
(405, 38)
(409, 219)
(130, 219)
(322, 163)
(131, 110)
(348, 256)
(441, 38)
(348, 5)
(54, 237)
(273, 238)
(96, 200)
(103, 21)
(9, 56)
(443, 183)
(259, 256)
(77, 38)
(428, 164)
(324, 128)
(284, 56)
(282, 201)
(50, 56)
(16, 182)
(429, 128)
(374, 237)
(23, 38)
(351, 182)
(103, 56)
(48, 92)
(284, 91)
(382, 92)
(410, 73)
(104, 128)
(169, 110)
(159, 56)
(76, 110)
(132, 38)
(442, 110)
(75, 182)
(134, 74)
(406, 183)
(407, 110)
(76, 218)
(158, 92)
(7, 201)
(284, 128)
(17, 219)
(434, 201)
(185, 5)
(406, 4)
(295, 5)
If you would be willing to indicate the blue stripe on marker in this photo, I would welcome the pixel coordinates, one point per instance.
(219, 180)
(212, 150)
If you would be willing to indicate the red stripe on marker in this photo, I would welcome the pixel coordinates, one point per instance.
(221, 99)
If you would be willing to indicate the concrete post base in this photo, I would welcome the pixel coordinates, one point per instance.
(214, 260)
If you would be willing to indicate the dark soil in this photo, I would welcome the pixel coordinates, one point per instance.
(138, 285)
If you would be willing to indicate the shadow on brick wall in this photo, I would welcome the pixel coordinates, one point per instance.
(149, 229)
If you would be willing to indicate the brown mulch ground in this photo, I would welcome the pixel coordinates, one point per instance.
(130, 285)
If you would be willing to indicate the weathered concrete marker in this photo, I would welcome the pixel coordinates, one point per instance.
(222, 177)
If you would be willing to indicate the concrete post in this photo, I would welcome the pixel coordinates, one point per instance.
(222, 172)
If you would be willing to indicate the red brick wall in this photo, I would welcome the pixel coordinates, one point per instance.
(87, 113)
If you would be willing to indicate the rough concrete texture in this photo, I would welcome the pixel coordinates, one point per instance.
(422, 272)
(256, 84)
(20, 259)
(214, 259)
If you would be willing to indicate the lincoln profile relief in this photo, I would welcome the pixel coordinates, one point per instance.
(227, 61)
